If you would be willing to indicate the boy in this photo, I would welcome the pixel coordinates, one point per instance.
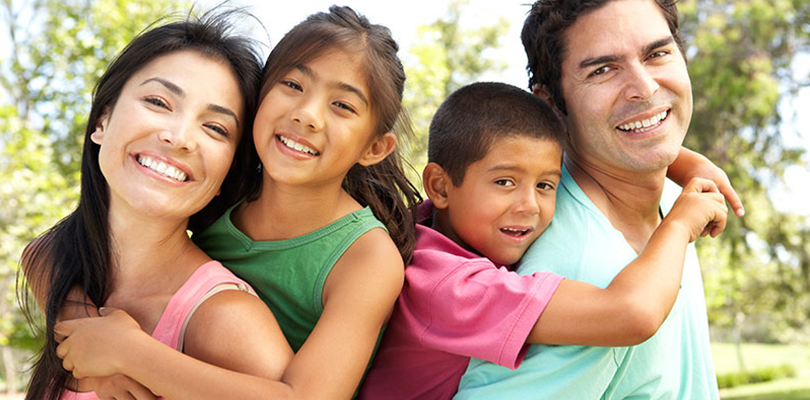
(494, 157)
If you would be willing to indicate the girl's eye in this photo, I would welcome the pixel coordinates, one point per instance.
(157, 101)
(345, 107)
(293, 85)
(545, 186)
(504, 182)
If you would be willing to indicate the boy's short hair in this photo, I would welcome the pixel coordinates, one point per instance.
(474, 116)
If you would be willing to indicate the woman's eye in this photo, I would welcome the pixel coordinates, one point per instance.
(157, 101)
(218, 129)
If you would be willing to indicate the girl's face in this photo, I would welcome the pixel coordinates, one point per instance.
(316, 122)
(168, 142)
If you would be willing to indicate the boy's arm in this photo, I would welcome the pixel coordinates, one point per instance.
(232, 329)
(690, 164)
(635, 304)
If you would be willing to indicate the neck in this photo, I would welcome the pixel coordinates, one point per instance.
(287, 211)
(149, 252)
(629, 199)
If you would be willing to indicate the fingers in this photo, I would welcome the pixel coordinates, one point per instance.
(732, 198)
(700, 185)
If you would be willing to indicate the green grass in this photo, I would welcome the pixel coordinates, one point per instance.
(763, 355)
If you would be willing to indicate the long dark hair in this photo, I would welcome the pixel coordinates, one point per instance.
(77, 252)
(383, 187)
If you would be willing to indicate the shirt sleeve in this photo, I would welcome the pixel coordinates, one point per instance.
(479, 310)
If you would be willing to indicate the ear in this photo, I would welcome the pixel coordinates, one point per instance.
(436, 183)
(101, 127)
(542, 92)
(380, 148)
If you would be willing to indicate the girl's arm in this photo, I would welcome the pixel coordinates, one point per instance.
(690, 164)
(638, 300)
(232, 329)
(359, 295)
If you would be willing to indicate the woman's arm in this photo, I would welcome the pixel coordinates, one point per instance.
(635, 304)
(232, 329)
(690, 164)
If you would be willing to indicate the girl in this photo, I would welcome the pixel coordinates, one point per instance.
(311, 235)
(158, 147)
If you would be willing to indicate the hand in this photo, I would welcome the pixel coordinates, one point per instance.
(116, 387)
(95, 347)
(690, 165)
(700, 209)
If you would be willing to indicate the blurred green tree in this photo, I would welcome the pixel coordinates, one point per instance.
(742, 64)
(445, 56)
(57, 50)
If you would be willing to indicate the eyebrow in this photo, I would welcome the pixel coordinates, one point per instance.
(340, 85)
(589, 62)
(180, 92)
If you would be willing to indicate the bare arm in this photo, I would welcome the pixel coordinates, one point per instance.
(638, 300)
(690, 164)
(358, 297)
(232, 329)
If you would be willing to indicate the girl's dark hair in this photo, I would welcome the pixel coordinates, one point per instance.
(77, 252)
(383, 187)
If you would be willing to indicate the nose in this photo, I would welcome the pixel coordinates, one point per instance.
(180, 136)
(641, 84)
(527, 202)
(308, 114)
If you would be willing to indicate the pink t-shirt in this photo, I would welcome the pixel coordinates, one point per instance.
(207, 280)
(454, 305)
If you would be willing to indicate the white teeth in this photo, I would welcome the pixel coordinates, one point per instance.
(296, 146)
(646, 124)
(162, 168)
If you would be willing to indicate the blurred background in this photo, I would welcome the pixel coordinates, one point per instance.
(749, 61)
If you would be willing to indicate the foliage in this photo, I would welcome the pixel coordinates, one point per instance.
(766, 374)
(444, 57)
(56, 50)
(741, 56)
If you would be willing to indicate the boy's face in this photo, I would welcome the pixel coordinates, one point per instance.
(506, 199)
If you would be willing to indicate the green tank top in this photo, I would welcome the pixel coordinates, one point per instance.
(288, 275)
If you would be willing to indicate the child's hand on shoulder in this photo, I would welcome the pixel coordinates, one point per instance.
(700, 209)
(95, 347)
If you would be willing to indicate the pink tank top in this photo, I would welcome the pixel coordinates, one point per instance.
(209, 279)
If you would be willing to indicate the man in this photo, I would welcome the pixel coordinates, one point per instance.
(615, 70)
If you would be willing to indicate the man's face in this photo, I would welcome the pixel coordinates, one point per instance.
(626, 88)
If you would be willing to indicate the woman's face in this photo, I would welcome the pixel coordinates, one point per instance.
(168, 143)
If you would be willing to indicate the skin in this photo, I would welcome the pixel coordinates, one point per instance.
(505, 201)
(301, 192)
(163, 113)
(514, 185)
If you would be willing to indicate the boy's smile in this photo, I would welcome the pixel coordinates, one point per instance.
(505, 201)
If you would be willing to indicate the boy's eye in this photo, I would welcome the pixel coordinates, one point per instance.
(504, 182)
(545, 186)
